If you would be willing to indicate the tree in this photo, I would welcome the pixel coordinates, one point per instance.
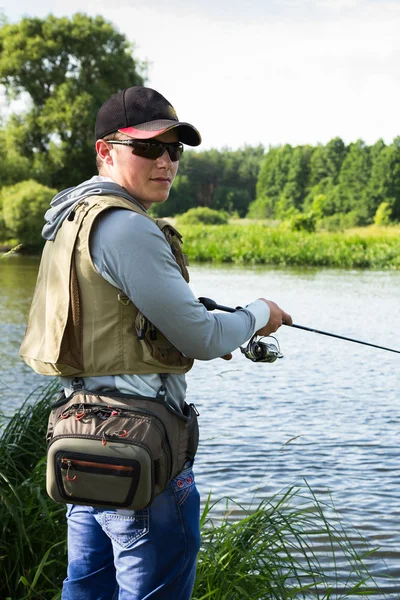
(326, 161)
(294, 191)
(354, 177)
(13, 166)
(384, 185)
(23, 207)
(67, 67)
(222, 180)
(273, 177)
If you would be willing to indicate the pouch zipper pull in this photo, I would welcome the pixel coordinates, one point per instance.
(69, 469)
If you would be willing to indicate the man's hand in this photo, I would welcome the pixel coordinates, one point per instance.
(276, 318)
(227, 356)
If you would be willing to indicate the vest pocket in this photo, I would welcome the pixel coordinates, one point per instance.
(157, 350)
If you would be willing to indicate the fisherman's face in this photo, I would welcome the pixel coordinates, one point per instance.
(148, 181)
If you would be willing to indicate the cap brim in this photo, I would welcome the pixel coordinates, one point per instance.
(187, 134)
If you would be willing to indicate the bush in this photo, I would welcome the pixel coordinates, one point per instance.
(261, 208)
(383, 215)
(203, 216)
(302, 222)
(24, 205)
(342, 221)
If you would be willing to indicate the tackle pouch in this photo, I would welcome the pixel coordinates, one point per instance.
(116, 450)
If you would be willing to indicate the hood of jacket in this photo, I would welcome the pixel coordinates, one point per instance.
(64, 202)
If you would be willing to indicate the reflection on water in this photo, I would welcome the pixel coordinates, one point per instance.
(327, 413)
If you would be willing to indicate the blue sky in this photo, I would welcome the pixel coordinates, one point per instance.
(259, 71)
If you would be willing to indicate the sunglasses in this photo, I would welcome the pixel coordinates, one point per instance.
(152, 149)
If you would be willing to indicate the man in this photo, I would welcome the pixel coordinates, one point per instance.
(149, 553)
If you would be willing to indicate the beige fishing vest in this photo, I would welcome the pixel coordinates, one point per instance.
(79, 324)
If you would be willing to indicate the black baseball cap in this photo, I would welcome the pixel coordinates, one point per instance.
(142, 113)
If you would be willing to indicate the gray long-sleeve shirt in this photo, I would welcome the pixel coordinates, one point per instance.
(131, 253)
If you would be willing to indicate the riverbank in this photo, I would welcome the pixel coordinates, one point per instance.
(246, 242)
(259, 244)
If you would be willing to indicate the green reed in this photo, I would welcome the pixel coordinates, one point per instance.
(266, 552)
(284, 548)
(33, 529)
(259, 244)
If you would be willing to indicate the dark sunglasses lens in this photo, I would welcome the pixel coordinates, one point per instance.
(154, 151)
(175, 152)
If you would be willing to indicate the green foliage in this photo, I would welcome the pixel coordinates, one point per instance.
(326, 161)
(33, 528)
(13, 166)
(222, 180)
(259, 244)
(68, 67)
(274, 173)
(302, 222)
(342, 221)
(383, 214)
(385, 180)
(203, 215)
(298, 176)
(350, 181)
(274, 551)
(23, 207)
(261, 208)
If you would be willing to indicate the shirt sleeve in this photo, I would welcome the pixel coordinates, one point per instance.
(131, 253)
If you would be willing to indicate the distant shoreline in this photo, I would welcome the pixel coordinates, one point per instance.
(256, 243)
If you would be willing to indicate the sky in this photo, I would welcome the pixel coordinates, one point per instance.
(264, 72)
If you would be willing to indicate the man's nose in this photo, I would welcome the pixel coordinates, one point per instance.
(164, 160)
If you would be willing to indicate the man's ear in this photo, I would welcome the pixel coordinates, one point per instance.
(103, 151)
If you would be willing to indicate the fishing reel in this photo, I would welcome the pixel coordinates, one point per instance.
(259, 351)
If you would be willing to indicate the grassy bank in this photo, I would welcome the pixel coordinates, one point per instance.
(271, 552)
(249, 242)
(253, 243)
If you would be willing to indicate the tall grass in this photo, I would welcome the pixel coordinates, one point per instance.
(33, 529)
(285, 548)
(259, 244)
(270, 552)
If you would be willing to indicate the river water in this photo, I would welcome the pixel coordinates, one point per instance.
(328, 413)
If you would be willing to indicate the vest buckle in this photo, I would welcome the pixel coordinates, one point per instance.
(123, 299)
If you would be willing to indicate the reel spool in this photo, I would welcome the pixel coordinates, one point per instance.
(258, 351)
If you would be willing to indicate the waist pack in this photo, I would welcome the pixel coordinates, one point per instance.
(116, 450)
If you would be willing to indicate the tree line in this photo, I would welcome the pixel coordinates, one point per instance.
(338, 184)
(60, 70)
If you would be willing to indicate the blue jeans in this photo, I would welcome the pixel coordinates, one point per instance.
(135, 555)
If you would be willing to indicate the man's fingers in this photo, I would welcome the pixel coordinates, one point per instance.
(286, 318)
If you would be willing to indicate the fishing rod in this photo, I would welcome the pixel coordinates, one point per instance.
(212, 305)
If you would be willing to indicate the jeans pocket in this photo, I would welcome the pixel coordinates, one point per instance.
(183, 485)
(126, 530)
